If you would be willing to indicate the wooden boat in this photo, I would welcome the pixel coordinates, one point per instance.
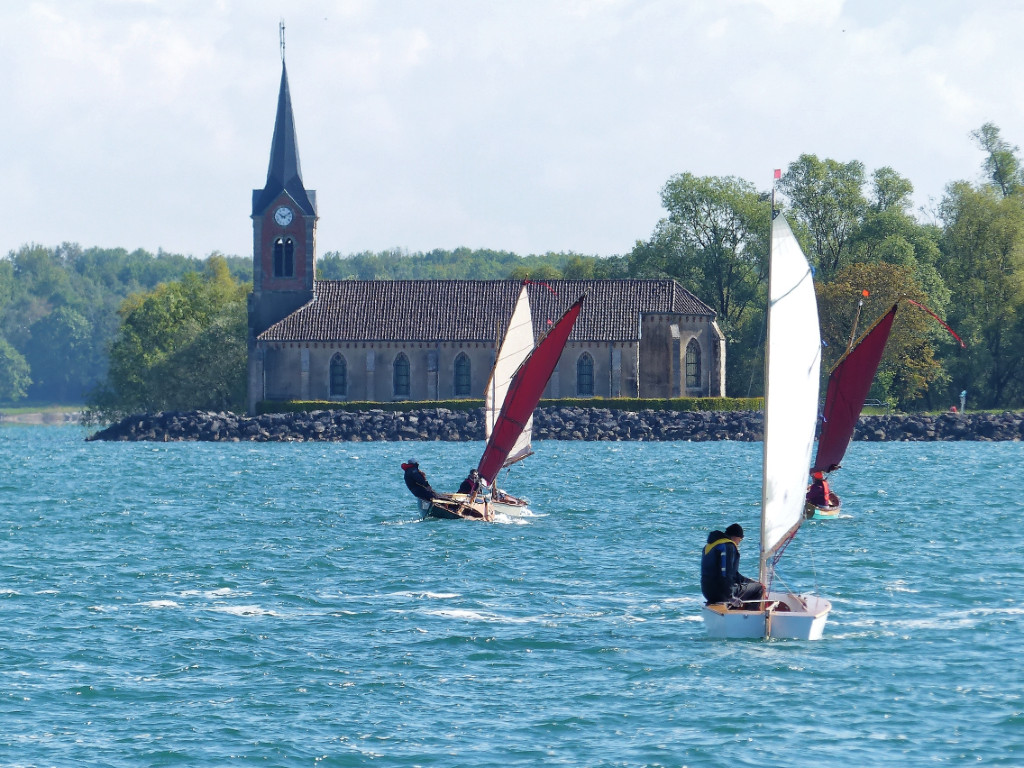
(792, 369)
(848, 386)
(524, 391)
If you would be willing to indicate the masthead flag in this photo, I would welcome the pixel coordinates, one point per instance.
(778, 173)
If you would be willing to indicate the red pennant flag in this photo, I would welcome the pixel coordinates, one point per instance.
(778, 173)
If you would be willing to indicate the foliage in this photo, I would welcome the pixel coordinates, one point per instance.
(181, 346)
(715, 242)
(469, 404)
(983, 260)
(1002, 166)
(58, 308)
(14, 373)
(908, 367)
(827, 199)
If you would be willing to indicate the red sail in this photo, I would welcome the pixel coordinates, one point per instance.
(848, 386)
(524, 393)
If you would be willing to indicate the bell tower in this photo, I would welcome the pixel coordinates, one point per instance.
(284, 236)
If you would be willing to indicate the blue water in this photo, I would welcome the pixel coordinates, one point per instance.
(193, 604)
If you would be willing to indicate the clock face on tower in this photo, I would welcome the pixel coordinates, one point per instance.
(283, 216)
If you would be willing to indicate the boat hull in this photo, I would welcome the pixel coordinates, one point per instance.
(804, 620)
(453, 509)
(814, 511)
(512, 507)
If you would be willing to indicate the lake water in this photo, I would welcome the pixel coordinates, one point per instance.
(195, 604)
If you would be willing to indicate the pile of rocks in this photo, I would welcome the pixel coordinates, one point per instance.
(550, 423)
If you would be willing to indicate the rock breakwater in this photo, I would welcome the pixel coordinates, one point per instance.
(550, 423)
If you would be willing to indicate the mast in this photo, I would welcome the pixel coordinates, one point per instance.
(762, 563)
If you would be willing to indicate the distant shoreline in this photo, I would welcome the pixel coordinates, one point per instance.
(42, 417)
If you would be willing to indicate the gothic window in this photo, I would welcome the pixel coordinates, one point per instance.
(401, 379)
(585, 375)
(284, 257)
(462, 378)
(693, 365)
(339, 376)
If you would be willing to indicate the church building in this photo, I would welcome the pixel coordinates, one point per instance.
(427, 340)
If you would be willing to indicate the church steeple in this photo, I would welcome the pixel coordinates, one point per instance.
(284, 173)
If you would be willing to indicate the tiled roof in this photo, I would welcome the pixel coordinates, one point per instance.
(476, 310)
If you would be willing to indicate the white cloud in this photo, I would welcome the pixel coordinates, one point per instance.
(528, 126)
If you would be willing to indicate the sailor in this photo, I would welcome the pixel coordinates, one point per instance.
(819, 494)
(471, 484)
(720, 579)
(417, 481)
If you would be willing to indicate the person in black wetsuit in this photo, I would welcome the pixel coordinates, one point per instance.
(720, 578)
(416, 481)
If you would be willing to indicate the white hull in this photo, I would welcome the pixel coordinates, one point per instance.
(805, 619)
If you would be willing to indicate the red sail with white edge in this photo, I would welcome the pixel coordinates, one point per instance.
(848, 387)
(524, 392)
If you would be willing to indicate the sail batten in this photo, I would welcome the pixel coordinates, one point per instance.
(524, 392)
(848, 387)
(792, 370)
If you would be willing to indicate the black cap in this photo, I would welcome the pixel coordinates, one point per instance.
(734, 530)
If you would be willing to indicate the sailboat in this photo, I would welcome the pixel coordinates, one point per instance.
(792, 369)
(848, 386)
(524, 392)
(516, 345)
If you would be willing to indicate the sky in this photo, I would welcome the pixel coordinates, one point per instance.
(529, 126)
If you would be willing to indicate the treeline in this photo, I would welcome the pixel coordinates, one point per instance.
(143, 331)
(59, 313)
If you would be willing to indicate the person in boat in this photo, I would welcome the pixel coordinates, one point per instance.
(417, 482)
(471, 484)
(720, 578)
(819, 494)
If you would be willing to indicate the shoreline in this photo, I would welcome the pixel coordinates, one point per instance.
(550, 423)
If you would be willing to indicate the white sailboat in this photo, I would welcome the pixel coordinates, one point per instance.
(792, 369)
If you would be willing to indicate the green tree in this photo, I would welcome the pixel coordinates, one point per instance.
(983, 263)
(181, 346)
(14, 373)
(715, 242)
(1002, 165)
(62, 356)
(827, 199)
(909, 367)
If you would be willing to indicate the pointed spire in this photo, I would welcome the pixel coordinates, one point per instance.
(284, 173)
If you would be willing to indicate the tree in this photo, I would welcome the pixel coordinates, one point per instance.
(826, 198)
(62, 356)
(983, 264)
(1002, 164)
(715, 242)
(909, 367)
(181, 346)
(14, 373)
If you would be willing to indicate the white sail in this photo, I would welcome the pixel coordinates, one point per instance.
(792, 365)
(515, 347)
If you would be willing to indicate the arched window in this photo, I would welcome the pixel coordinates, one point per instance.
(401, 375)
(585, 375)
(692, 364)
(284, 257)
(339, 376)
(462, 378)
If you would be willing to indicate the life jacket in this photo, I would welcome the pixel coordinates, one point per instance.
(712, 544)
